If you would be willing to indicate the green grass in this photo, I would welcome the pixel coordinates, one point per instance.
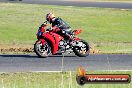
(19, 23)
(114, 47)
(52, 80)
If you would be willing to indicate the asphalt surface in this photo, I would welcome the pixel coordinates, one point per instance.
(24, 63)
(31, 63)
(120, 5)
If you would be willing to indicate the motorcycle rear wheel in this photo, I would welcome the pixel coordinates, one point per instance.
(82, 50)
(42, 51)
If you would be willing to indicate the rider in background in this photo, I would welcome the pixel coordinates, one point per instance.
(59, 26)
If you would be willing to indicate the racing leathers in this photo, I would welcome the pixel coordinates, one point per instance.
(62, 28)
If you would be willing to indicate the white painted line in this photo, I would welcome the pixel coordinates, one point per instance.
(46, 71)
(33, 72)
(68, 71)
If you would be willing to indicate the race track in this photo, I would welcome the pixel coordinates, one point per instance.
(31, 63)
(80, 3)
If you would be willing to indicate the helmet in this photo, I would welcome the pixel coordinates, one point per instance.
(49, 17)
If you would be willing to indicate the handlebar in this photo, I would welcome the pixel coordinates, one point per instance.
(49, 29)
(45, 22)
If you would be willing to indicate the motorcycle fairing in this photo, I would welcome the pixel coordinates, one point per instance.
(54, 40)
(76, 39)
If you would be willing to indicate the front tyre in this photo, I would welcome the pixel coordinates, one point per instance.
(82, 48)
(42, 50)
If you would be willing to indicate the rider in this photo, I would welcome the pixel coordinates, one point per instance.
(59, 26)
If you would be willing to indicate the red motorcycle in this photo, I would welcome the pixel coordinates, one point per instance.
(49, 43)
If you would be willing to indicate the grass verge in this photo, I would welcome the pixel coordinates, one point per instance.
(106, 28)
(52, 80)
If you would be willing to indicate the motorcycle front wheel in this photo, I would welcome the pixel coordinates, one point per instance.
(42, 50)
(82, 49)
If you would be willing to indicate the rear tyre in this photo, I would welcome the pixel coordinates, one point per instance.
(42, 50)
(82, 49)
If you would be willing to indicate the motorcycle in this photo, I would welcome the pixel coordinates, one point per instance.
(50, 43)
